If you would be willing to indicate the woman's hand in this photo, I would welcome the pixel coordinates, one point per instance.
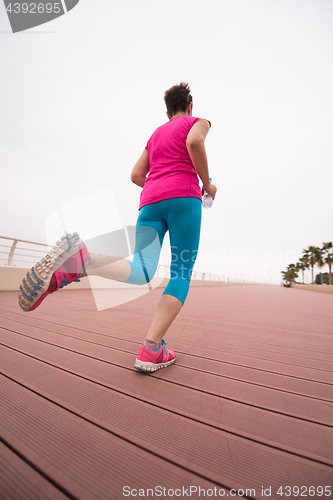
(210, 189)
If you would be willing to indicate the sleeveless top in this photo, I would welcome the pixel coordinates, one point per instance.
(171, 171)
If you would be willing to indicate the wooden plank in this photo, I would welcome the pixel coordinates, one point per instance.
(19, 481)
(77, 356)
(308, 440)
(72, 451)
(226, 343)
(292, 434)
(298, 380)
(91, 463)
(253, 379)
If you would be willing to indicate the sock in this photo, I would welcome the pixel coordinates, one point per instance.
(152, 344)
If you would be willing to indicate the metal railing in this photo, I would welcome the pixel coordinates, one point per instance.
(164, 272)
(10, 255)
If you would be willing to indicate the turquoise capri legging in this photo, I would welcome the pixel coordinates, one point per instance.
(182, 218)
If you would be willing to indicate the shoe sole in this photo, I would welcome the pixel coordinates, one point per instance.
(145, 366)
(38, 281)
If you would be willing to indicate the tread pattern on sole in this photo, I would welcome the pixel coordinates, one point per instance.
(38, 278)
(139, 365)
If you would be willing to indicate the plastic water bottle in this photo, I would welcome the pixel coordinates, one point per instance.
(207, 200)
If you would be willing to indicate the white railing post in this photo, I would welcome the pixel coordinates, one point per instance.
(11, 253)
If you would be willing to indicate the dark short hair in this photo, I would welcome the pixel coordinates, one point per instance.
(177, 98)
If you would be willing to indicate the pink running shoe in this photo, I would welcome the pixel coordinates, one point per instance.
(66, 262)
(149, 360)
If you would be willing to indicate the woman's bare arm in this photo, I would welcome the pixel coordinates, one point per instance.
(195, 143)
(140, 170)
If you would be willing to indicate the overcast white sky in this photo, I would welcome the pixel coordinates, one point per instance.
(81, 95)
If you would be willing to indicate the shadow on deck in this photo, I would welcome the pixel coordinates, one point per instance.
(247, 405)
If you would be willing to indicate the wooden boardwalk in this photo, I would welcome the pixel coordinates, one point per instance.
(247, 405)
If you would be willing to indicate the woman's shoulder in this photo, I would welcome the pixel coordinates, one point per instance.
(187, 121)
(174, 125)
(180, 120)
(194, 119)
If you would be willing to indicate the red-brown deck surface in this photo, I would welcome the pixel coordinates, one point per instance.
(247, 405)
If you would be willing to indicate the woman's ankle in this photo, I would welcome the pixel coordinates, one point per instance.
(151, 343)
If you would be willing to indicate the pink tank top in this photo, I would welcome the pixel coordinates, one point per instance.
(171, 171)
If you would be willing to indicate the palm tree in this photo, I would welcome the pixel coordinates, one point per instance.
(312, 255)
(293, 268)
(302, 265)
(290, 274)
(327, 250)
(320, 264)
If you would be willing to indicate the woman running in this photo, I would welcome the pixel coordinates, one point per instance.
(167, 171)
